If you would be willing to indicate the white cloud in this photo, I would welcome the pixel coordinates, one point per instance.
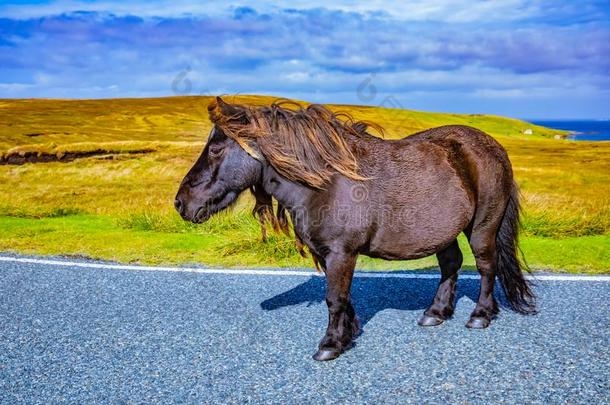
(454, 11)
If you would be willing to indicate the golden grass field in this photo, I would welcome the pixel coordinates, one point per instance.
(116, 204)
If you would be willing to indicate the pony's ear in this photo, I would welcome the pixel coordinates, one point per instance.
(360, 127)
(221, 112)
(234, 121)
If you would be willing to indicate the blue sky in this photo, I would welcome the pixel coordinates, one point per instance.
(530, 59)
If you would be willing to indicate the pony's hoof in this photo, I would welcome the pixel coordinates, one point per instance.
(427, 320)
(326, 355)
(477, 323)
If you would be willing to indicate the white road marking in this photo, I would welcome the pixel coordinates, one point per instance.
(262, 272)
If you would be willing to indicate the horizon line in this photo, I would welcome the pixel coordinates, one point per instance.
(527, 119)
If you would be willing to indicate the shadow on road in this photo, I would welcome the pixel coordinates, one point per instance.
(372, 295)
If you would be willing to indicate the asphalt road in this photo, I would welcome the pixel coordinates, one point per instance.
(78, 334)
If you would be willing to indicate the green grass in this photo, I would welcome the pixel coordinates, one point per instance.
(119, 206)
(144, 239)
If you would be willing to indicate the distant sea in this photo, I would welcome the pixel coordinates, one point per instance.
(582, 130)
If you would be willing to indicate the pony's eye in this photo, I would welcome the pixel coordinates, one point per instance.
(215, 151)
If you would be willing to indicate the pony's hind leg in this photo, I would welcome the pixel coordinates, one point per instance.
(450, 261)
(343, 324)
(483, 244)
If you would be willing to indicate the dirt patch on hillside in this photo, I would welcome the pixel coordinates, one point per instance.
(20, 158)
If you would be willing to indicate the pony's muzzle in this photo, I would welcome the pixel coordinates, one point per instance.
(179, 205)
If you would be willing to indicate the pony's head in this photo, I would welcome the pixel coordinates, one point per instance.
(222, 172)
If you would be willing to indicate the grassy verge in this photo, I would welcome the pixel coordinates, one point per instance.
(235, 241)
(118, 205)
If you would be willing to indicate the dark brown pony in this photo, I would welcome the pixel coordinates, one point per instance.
(348, 193)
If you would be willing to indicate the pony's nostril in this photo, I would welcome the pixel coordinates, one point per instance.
(178, 205)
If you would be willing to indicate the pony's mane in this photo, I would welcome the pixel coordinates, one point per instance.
(304, 144)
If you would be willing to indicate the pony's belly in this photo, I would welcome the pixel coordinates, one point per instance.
(419, 232)
(401, 248)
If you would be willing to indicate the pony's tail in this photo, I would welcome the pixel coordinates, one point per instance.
(510, 269)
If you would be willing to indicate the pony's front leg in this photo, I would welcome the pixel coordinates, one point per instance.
(343, 324)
